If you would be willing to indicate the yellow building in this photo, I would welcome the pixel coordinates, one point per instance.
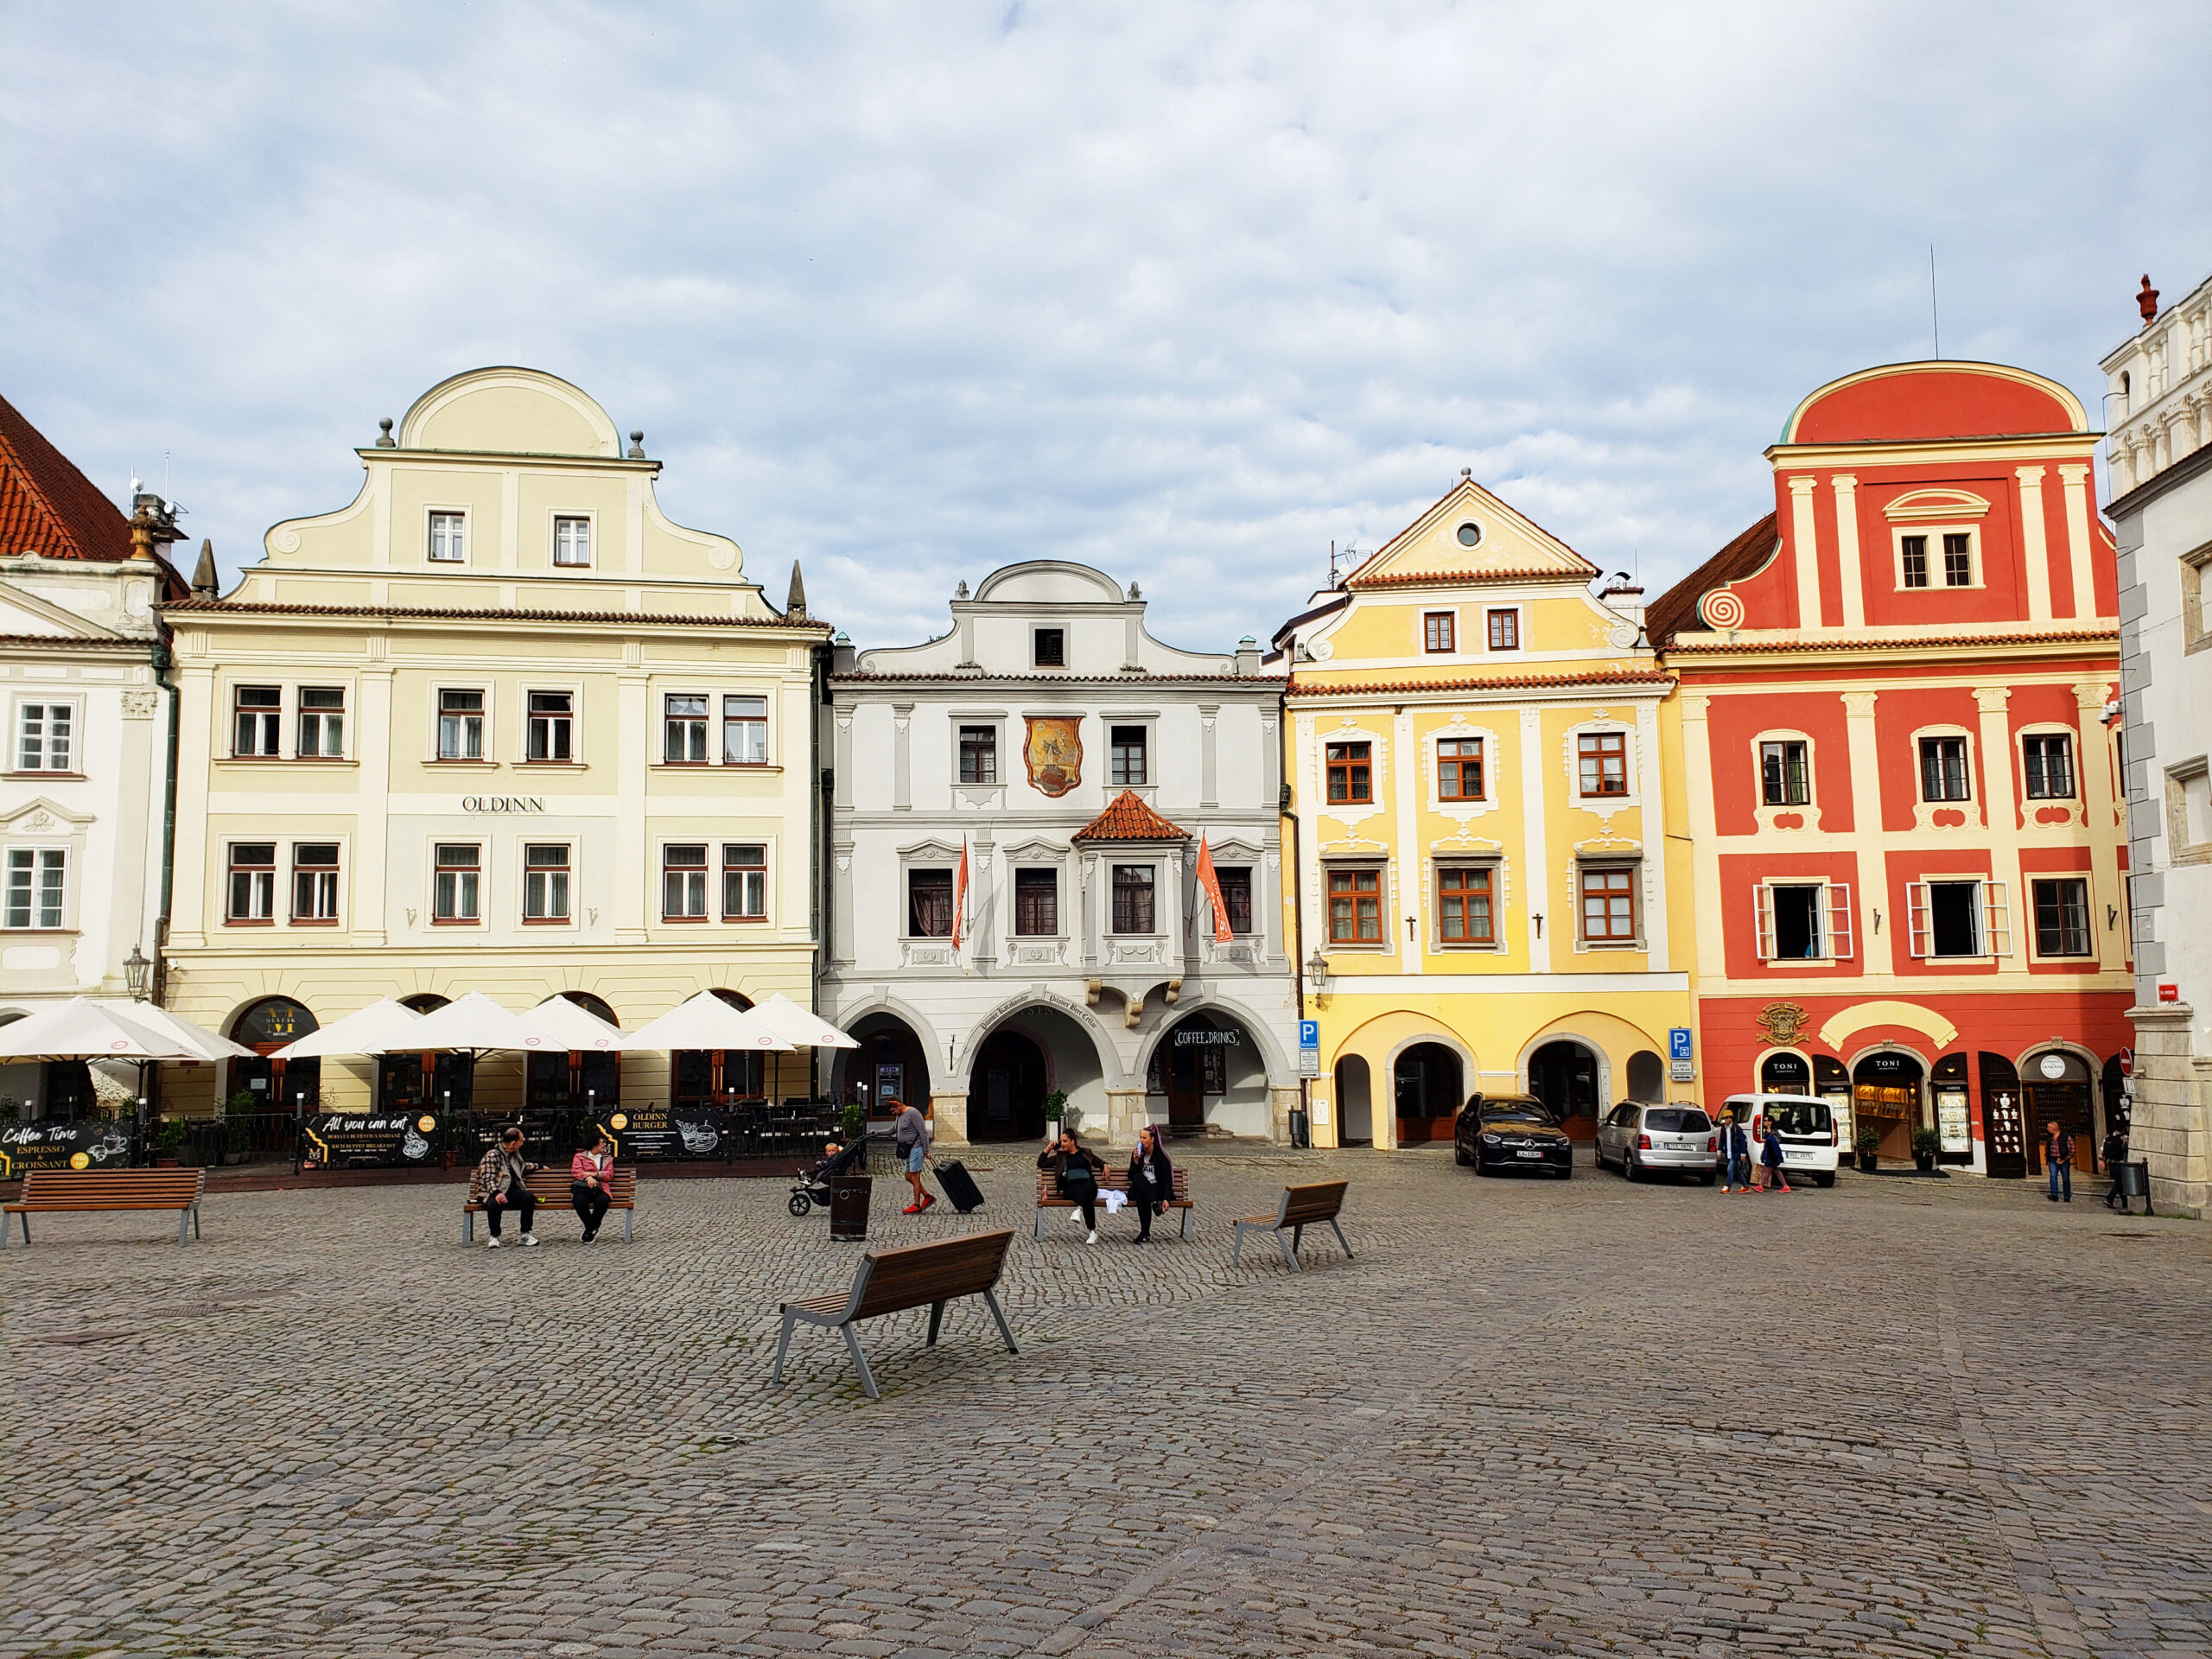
(1479, 757)
(497, 725)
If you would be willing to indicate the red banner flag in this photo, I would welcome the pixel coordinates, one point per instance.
(1211, 882)
(960, 897)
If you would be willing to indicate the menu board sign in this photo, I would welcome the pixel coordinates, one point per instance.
(660, 1134)
(98, 1143)
(348, 1140)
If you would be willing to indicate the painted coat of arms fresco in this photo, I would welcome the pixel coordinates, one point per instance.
(1053, 753)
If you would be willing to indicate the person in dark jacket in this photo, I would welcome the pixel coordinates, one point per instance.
(1739, 1147)
(1152, 1180)
(2115, 1156)
(1075, 1169)
(2058, 1160)
(1770, 1175)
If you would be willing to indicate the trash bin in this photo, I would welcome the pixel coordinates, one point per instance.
(1301, 1135)
(2134, 1183)
(848, 1202)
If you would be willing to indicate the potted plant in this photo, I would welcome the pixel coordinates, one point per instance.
(170, 1143)
(1869, 1142)
(853, 1121)
(1926, 1143)
(1056, 1106)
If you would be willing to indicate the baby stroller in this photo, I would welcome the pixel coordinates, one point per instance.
(814, 1181)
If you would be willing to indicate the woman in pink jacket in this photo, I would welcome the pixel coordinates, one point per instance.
(590, 1176)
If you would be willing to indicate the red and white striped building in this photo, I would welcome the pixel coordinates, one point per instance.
(1907, 835)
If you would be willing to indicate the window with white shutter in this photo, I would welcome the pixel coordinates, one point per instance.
(1764, 896)
(1916, 907)
(1997, 930)
(1839, 946)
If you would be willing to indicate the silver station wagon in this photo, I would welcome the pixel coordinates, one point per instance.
(1644, 1139)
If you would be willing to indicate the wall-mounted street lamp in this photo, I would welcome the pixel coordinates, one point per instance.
(137, 974)
(1317, 973)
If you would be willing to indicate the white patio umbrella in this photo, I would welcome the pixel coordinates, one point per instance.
(80, 1029)
(567, 1025)
(470, 1025)
(365, 1031)
(795, 1026)
(706, 1021)
(189, 1033)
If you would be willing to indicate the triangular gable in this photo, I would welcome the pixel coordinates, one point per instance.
(1509, 545)
(23, 613)
(39, 816)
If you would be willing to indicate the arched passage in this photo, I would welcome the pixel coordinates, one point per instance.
(276, 1085)
(703, 1078)
(1208, 1070)
(891, 1063)
(1647, 1076)
(1426, 1086)
(2057, 1083)
(587, 1082)
(440, 1082)
(1355, 1103)
(1032, 1053)
(1885, 1097)
(1563, 1074)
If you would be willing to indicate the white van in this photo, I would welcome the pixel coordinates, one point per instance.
(1806, 1126)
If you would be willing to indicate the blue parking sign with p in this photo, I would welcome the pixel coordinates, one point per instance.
(1309, 1033)
(1678, 1043)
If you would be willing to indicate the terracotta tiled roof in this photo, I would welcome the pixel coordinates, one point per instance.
(951, 677)
(1437, 578)
(256, 608)
(1501, 682)
(47, 506)
(72, 642)
(1129, 818)
(1675, 611)
(1933, 639)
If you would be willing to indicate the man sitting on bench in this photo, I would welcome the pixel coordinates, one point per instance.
(499, 1176)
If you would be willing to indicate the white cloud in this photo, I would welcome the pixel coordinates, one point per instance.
(911, 292)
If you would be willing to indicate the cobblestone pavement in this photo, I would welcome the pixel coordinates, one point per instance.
(1900, 1417)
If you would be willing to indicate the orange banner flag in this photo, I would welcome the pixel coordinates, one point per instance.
(960, 898)
(1211, 882)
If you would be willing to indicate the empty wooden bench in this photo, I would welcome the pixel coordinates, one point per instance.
(1302, 1207)
(550, 1188)
(1109, 1180)
(48, 1191)
(890, 1281)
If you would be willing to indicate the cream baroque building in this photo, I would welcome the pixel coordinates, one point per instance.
(497, 725)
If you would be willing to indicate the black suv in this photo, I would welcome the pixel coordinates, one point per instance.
(1496, 1132)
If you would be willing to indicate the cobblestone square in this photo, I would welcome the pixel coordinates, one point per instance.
(1897, 1417)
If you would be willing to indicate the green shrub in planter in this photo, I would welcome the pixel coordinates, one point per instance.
(853, 1121)
(1869, 1141)
(1926, 1143)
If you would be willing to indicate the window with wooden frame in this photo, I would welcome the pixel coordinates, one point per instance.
(46, 737)
(456, 883)
(1912, 560)
(321, 723)
(315, 884)
(1504, 630)
(1602, 760)
(257, 719)
(449, 538)
(745, 731)
(1439, 631)
(1126, 762)
(460, 725)
(683, 883)
(1236, 882)
(1467, 906)
(1351, 777)
(552, 725)
(929, 904)
(1608, 894)
(2047, 763)
(1049, 648)
(38, 888)
(745, 881)
(548, 868)
(1959, 916)
(1804, 921)
(1459, 769)
(979, 754)
(684, 731)
(571, 541)
(1958, 559)
(2062, 917)
(1355, 905)
(1943, 775)
(1785, 778)
(1133, 908)
(252, 884)
(1037, 901)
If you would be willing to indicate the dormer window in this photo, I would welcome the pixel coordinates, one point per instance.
(449, 538)
(1052, 648)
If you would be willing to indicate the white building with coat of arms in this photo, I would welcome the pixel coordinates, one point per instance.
(1056, 870)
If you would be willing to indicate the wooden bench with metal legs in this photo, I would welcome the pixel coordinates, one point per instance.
(1111, 1181)
(48, 1191)
(890, 1281)
(1302, 1207)
(550, 1188)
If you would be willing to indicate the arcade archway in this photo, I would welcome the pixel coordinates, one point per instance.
(1034, 1052)
(416, 1082)
(276, 1085)
(1564, 1076)
(1885, 1097)
(891, 1063)
(587, 1082)
(1207, 1071)
(1428, 1087)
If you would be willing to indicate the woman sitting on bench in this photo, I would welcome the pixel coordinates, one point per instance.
(1152, 1180)
(1075, 1172)
(591, 1172)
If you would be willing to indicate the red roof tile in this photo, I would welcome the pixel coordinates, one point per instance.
(1440, 578)
(1675, 611)
(1502, 682)
(1127, 818)
(49, 507)
(1935, 639)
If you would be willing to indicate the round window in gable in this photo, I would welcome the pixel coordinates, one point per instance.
(1470, 533)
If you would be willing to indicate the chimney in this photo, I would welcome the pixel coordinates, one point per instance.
(1248, 657)
(795, 602)
(1624, 596)
(2147, 302)
(204, 583)
(842, 657)
(153, 523)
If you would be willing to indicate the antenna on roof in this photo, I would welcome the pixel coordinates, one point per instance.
(1934, 316)
(1333, 564)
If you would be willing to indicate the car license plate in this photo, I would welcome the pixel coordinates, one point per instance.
(1528, 1155)
(1789, 1157)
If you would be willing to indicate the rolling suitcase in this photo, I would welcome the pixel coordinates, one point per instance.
(959, 1186)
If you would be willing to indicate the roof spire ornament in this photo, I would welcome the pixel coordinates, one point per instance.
(795, 602)
(2146, 301)
(204, 580)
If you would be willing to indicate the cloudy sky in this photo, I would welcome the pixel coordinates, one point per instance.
(1188, 292)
